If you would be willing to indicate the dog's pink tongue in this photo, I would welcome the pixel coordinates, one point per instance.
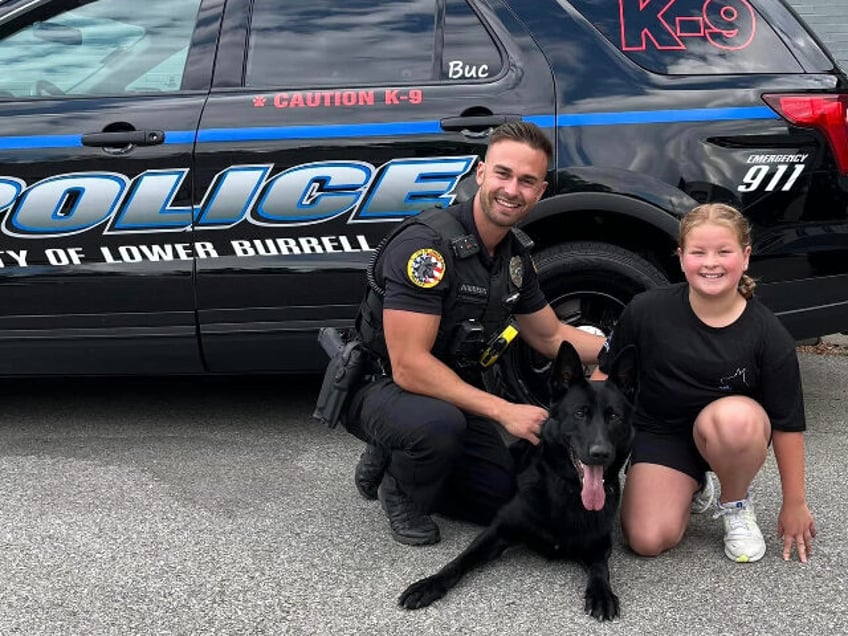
(593, 487)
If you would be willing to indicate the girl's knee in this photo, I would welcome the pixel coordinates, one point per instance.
(650, 542)
(734, 422)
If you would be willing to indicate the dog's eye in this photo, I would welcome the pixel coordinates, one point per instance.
(613, 416)
(581, 413)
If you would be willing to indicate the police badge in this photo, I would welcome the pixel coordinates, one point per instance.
(516, 271)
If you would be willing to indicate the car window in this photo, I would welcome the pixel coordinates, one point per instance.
(329, 43)
(691, 37)
(469, 52)
(100, 48)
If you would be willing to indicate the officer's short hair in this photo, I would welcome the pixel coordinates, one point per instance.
(525, 132)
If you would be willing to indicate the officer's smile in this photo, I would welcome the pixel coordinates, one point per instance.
(513, 204)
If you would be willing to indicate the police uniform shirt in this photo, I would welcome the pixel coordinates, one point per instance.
(417, 276)
(686, 364)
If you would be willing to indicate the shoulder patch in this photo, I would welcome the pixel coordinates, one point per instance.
(426, 268)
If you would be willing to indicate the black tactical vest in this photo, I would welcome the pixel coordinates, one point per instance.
(478, 304)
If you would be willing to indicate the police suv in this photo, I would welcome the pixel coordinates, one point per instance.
(194, 186)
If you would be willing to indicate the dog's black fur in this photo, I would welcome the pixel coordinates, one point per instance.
(561, 508)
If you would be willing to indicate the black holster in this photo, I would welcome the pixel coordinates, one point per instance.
(345, 371)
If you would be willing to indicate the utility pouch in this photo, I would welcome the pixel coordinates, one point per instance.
(466, 342)
(345, 371)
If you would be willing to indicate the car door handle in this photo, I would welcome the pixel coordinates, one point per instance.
(124, 138)
(476, 123)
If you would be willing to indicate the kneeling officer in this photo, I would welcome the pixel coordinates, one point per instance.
(447, 292)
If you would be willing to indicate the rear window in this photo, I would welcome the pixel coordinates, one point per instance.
(691, 37)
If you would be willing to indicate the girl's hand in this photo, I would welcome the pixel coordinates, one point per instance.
(795, 524)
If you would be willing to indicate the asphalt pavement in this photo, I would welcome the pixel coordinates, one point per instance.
(218, 506)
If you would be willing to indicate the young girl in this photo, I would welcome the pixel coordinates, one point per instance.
(719, 382)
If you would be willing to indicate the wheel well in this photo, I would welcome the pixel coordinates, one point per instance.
(631, 233)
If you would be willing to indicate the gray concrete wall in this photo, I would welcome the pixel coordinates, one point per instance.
(829, 19)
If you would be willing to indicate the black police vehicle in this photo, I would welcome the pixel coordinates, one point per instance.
(194, 186)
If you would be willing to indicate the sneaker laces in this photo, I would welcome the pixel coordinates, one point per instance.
(738, 516)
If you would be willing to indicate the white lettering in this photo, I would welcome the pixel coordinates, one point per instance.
(301, 245)
(457, 69)
(107, 255)
(331, 244)
(242, 248)
(57, 257)
(310, 245)
(205, 249)
(157, 253)
(19, 257)
(288, 246)
(796, 158)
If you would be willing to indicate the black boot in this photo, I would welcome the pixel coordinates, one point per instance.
(369, 471)
(409, 525)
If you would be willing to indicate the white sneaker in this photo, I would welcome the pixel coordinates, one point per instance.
(704, 498)
(743, 541)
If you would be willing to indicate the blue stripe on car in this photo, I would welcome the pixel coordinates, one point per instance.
(227, 135)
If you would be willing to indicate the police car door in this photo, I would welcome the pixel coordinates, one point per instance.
(337, 121)
(97, 121)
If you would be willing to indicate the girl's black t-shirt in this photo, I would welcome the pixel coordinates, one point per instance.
(686, 364)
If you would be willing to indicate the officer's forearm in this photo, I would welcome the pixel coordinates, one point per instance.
(427, 375)
(588, 345)
(544, 332)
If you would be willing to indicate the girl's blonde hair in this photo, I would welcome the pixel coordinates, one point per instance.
(730, 217)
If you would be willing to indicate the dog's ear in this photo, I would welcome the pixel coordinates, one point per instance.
(566, 371)
(624, 372)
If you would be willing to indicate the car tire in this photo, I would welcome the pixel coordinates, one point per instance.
(587, 284)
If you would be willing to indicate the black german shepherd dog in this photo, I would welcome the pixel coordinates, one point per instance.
(568, 486)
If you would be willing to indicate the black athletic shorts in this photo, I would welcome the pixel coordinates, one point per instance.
(675, 451)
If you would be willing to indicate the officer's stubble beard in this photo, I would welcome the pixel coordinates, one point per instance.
(487, 202)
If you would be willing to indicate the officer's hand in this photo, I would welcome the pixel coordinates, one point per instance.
(524, 421)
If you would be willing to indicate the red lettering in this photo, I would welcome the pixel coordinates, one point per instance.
(315, 99)
(732, 24)
(726, 24)
(643, 20)
(690, 27)
(392, 97)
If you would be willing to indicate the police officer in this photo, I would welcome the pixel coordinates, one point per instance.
(441, 290)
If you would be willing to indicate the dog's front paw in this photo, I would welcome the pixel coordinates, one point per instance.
(422, 593)
(601, 603)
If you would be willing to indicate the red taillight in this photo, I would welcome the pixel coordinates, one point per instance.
(828, 113)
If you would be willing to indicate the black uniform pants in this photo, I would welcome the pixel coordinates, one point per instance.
(445, 460)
